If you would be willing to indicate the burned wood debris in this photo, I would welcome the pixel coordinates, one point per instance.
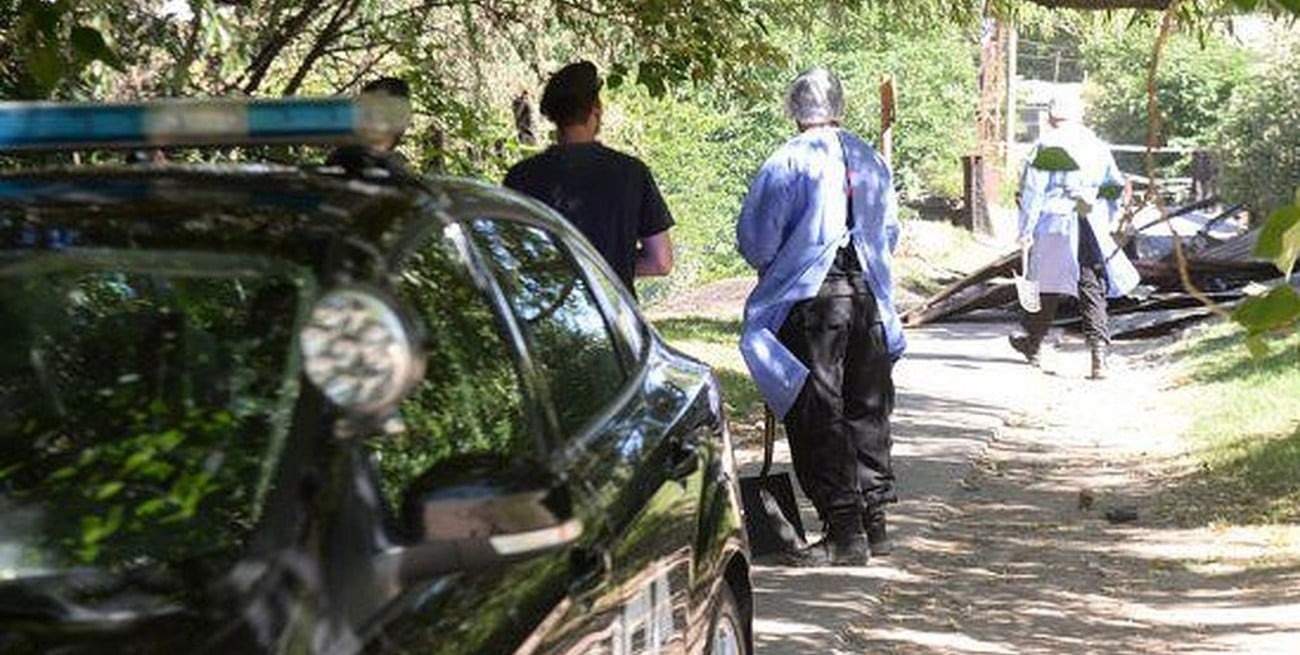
(1214, 240)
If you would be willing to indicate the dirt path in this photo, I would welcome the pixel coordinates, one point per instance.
(1008, 475)
(1033, 555)
(1003, 546)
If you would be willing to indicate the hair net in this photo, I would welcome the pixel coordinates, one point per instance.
(815, 97)
(1065, 107)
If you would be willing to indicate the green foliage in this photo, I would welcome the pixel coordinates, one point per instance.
(700, 82)
(141, 482)
(50, 44)
(464, 72)
(1054, 158)
(1195, 80)
(149, 428)
(1289, 6)
(705, 143)
(1279, 309)
(1259, 140)
(1279, 240)
(934, 69)
(469, 399)
(702, 158)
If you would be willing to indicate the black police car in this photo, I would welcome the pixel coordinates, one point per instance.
(257, 408)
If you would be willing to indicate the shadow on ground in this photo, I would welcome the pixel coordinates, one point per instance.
(1004, 544)
(1018, 567)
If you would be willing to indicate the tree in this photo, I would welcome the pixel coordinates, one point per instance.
(468, 59)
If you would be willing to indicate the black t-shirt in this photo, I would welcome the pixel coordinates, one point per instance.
(610, 197)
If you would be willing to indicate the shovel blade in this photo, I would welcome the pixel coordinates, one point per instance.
(772, 514)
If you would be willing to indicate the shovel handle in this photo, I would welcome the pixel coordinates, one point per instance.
(769, 439)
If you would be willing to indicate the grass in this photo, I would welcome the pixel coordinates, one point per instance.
(1245, 429)
(715, 342)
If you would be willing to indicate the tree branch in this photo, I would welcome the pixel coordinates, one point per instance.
(276, 44)
(191, 52)
(342, 14)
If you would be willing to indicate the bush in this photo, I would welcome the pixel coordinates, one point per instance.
(702, 158)
(1259, 142)
(1193, 85)
(935, 73)
(704, 145)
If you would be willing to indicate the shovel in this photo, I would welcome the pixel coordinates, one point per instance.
(1026, 289)
(771, 513)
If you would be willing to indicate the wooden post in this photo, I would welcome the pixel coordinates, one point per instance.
(980, 171)
(976, 215)
(1008, 154)
(887, 118)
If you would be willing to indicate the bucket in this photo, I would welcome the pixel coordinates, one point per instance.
(1026, 289)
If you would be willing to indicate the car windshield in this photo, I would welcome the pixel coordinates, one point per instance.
(144, 399)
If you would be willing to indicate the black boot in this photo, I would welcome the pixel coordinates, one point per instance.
(845, 543)
(848, 538)
(1025, 346)
(877, 535)
(1100, 368)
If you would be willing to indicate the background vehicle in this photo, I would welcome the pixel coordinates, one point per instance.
(256, 408)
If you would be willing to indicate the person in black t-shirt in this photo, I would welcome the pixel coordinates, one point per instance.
(611, 197)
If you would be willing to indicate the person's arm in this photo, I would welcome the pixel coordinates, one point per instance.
(763, 215)
(655, 256)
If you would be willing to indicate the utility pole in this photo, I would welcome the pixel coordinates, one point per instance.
(980, 172)
(1008, 159)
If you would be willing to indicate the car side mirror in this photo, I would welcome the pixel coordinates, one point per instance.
(474, 513)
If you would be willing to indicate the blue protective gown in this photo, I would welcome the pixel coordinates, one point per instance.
(791, 224)
(1048, 201)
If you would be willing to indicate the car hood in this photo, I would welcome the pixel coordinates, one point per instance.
(255, 609)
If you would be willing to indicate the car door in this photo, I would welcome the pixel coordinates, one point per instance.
(610, 409)
(471, 402)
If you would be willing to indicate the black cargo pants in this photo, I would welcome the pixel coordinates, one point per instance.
(1092, 297)
(838, 427)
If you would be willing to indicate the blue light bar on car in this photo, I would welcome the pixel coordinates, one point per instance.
(70, 126)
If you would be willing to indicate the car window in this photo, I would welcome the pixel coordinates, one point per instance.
(470, 400)
(570, 342)
(625, 320)
(143, 407)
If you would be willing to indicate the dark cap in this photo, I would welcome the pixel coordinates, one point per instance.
(570, 93)
(391, 85)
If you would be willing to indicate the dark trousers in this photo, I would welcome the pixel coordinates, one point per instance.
(1092, 298)
(838, 427)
